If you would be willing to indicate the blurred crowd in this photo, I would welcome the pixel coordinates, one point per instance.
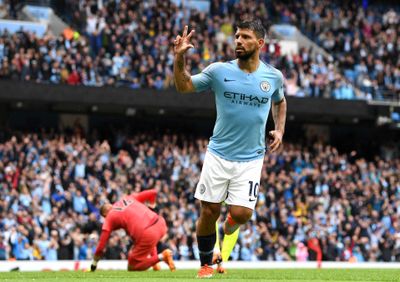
(313, 200)
(363, 40)
(129, 43)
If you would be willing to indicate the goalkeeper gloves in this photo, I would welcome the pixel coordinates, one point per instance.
(93, 266)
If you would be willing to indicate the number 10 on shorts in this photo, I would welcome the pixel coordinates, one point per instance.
(253, 191)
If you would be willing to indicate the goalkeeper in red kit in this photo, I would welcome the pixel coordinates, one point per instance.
(145, 227)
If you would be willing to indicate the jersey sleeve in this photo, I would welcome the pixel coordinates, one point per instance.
(146, 196)
(204, 80)
(278, 94)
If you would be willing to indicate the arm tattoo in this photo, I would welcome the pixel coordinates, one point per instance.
(181, 68)
(185, 77)
(181, 76)
(180, 64)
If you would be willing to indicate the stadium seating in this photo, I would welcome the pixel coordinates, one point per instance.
(129, 44)
(52, 187)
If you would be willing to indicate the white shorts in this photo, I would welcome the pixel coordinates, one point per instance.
(235, 183)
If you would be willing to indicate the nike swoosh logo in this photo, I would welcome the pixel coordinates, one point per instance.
(252, 200)
(228, 80)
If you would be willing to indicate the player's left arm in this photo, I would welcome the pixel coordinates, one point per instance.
(105, 235)
(279, 108)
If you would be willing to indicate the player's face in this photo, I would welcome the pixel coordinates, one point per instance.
(247, 43)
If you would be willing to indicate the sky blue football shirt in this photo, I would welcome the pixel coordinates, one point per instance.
(243, 102)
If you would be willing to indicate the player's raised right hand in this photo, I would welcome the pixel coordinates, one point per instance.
(182, 43)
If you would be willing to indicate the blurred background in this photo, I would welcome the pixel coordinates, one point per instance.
(89, 112)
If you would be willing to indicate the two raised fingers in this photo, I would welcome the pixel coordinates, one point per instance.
(185, 35)
(190, 35)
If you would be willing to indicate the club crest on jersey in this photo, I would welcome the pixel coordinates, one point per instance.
(265, 86)
(202, 188)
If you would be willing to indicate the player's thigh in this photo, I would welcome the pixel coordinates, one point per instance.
(214, 179)
(244, 187)
(158, 230)
(150, 237)
(140, 252)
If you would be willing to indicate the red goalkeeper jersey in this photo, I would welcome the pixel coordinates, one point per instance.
(130, 214)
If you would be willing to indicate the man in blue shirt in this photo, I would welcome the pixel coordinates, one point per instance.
(245, 90)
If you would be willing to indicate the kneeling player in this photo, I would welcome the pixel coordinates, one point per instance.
(145, 227)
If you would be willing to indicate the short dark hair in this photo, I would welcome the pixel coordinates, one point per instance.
(254, 25)
(103, 209)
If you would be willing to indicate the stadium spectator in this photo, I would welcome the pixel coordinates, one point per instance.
(3, 249)
(301, 252)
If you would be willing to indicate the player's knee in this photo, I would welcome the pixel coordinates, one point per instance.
(209, 215)
(210, 212)
(241, 215)
(132, 263)
(135, 267)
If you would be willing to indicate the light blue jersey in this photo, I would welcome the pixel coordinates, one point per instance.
(243, 102)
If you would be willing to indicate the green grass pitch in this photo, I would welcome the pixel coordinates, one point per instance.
(234, 275)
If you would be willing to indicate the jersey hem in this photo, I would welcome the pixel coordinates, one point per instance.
(214, 152)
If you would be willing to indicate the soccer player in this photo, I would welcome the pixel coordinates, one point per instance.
(245, 90)
(145, 227)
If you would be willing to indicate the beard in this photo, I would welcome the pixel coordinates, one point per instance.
(243, 54)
